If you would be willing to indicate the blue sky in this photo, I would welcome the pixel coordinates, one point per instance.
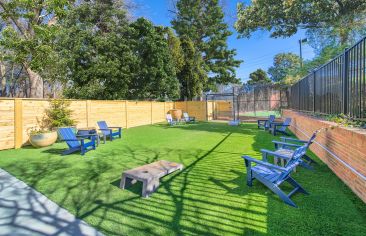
(257, 52)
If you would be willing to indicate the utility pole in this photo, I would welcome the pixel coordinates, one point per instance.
(301, 41)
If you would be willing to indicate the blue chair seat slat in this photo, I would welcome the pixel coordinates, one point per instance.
(109, 132)
(70, 138)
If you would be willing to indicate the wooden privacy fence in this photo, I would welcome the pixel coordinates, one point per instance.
(19, 116)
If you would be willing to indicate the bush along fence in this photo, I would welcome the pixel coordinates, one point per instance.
(338, 86)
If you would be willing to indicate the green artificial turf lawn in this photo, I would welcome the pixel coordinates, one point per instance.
(209, 197)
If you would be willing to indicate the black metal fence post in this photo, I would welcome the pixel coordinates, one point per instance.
(314, 91)
(345, 81)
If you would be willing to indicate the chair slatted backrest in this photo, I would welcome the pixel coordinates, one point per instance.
(312, 138)
(67, 134)
(169, 117)
(293, 162)
(271, 118)
(186, 116)
(285, 123)
(103, 126)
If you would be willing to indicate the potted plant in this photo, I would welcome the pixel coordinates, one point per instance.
(57, 115)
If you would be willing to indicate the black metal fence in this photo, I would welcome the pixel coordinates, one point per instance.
(336, 87)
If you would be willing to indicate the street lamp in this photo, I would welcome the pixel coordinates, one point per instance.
(301, 41)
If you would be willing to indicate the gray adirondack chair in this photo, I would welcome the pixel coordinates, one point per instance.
(279, 127)
(287, 145)
(265, 124)
(273, 176)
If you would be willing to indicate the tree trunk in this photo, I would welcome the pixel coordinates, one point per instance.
(3, 79)
(36, 83)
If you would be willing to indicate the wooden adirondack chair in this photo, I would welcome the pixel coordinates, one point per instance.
(273, 176)
(110, 132)
(188, 118)
(170, 120)
(287, 145)
(76, 142)
(281, 127)
(266, 123)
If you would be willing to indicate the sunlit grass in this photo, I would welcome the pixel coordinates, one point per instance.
(209, 197)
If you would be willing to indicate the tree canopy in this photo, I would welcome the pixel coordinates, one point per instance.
(203, 22)
(28, 33)
(192, 76)
(258, 77)
(284, 18)
(283, 65)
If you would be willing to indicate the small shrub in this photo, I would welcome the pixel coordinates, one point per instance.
(58, 114)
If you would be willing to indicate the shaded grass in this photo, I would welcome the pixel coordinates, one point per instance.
(209, 197)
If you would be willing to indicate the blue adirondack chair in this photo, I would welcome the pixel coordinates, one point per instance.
(273, 176)
(170, 120)
(110, 132)
(76, 142)
(279, 127)
(188, 118)
(287, 145)
(266, 123)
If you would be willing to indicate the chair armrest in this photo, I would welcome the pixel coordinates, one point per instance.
(263, 163)
(286, 144)
(115, 127)
(285, 139)
(71, 139)
(85, 135)
(265, 151)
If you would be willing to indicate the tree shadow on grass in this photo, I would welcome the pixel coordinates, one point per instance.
(186, 203)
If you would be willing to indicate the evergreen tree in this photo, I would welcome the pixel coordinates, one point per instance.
(97, 52)
(192, 76)
(258, 77)
(156, 76)
(203, 22)
(175, 49)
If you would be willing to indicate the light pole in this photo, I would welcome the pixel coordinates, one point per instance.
(301, 41)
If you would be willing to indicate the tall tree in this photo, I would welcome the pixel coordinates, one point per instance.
(28, 34)
(156, 76)
(258, 77)
(283, 65)
(95, 46)
(175, 49)
(203, 22)
(192, 77)
(284, 18)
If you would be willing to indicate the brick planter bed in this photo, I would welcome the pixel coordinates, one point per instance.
(342, 149)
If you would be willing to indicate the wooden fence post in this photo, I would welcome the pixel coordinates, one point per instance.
(88, 107)
(126, 109)
(18, 123)
(151, 113)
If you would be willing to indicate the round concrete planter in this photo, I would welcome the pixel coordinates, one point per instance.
(176, 113)
(43, 139)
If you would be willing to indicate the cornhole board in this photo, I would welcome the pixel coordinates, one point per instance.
(149, 175)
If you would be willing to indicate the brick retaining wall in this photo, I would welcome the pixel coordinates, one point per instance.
(346, 154)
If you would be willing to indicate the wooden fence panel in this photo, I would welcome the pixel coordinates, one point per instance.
(19, 116)
(158, 112)
(113, 112)
(7, 129)
(32, 116)
(139, 113)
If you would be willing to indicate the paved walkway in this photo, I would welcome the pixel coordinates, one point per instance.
(24, 211)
